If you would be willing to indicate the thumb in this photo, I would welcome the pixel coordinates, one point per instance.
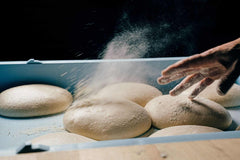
(229, 78)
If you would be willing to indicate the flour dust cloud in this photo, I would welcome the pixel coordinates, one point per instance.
(134, 41)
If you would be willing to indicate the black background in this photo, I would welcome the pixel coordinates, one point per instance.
(57, 30)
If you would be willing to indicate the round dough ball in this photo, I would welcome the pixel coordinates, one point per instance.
(184, 129)
(139, 93)
(104, 119)
(167, 111)
(60, 138)
(231, 99)
(34, 100)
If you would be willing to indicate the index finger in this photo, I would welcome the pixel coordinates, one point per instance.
(192, 62)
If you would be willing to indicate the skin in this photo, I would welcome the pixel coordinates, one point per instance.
(221, 62)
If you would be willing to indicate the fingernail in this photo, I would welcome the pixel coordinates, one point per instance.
(161, 80)
(191, 97)
(175, 92)
(172, 93)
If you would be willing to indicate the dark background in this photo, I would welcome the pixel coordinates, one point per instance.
(57, 30)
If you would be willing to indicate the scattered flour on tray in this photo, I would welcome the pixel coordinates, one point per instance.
(38, 130)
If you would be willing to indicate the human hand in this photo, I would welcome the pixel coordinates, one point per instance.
(221, 62)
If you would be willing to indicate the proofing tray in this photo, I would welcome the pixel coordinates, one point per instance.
(17, 132)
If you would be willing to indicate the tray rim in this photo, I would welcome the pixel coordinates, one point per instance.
(33, 61)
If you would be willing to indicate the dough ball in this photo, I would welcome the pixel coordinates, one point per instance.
(184, 129)
(167, 111)
(231, 99)
(139, 93)
(60, 138)
(104, 119)
(34, 100)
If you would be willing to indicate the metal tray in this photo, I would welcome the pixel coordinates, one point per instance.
(67, 74)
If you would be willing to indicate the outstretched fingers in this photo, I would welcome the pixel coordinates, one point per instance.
(186, 83)
(182, 73)
(192, 62)
(200, 87)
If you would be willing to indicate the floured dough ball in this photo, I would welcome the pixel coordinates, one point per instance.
(60, 138)
(167, 111)
(139, 93)
(104, 119)
(184, 129)
(34, 100)
(231, 99)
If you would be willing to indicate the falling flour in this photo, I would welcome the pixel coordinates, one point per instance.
(131, 42)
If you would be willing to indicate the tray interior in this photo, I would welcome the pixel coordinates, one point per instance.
(71, 75)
